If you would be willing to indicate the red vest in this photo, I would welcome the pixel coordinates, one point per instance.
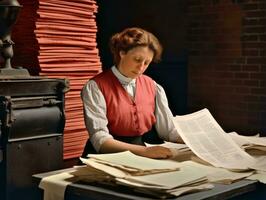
(126, 116)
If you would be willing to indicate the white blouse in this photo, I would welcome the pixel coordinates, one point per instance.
(95, 111)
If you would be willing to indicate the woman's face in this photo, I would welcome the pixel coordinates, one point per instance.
(134, 62)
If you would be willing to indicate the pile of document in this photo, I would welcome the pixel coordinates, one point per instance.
(211, 144)
(160, 178)
(129, 173)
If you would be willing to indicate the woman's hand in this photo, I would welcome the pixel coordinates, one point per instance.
(157, 152)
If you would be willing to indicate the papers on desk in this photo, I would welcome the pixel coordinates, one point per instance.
(209, 142)
(259, 175)
(136, 164)
(54, 186)
(216, 175)
(254, 145)
(162, 178)
(212, 145)
(180, 178)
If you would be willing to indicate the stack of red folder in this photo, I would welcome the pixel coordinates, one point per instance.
(66, 36)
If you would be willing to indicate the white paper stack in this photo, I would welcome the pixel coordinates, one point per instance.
(66, 34)
(160, 178)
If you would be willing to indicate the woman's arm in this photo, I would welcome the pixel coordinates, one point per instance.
(112, 146)
(164, 118)
(95, 114)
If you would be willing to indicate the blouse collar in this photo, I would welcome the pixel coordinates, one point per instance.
(122, 79)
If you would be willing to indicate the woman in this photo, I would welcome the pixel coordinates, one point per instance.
(122, 106)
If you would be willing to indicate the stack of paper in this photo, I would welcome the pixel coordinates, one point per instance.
(162, 178)
(253, 145)
(66, 35)
(212, 145)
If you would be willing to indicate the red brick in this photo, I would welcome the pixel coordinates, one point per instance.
(251, 83)
(242, 75)
(242, 90)
(263, 37)
(250, 6)
(251, 68)
(262, 21)
(252, 98)
(262, 6)
(252, 22)
(235, 67)
(236, 82)
(255, 13)
(258, 76)
(250, 38)
(258, 91)
(249, 52)
(255, 29)
(256, 60)
(263, 84)
(253, 45)
(263, 53)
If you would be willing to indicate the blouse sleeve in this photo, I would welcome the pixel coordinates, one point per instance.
(95, 114)
(164, 117)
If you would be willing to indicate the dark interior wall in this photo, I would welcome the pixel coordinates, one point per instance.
(227, 62)
(165, 19)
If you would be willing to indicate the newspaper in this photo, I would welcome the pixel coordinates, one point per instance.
(208, 141)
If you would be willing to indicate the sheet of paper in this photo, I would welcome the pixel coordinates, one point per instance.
(244, 140)
(160, 191)
(115, 172)
(171, 145)
(54, 186)
(171, 179)
(192, 188)
(129, 159)
(260, 163)
(208, 141)
(215, 174)
(259, 176)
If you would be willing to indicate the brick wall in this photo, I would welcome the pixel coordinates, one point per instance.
(227, 62)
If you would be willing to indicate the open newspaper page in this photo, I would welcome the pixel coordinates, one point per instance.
(209, 142)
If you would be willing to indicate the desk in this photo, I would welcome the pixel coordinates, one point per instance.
(241, 190)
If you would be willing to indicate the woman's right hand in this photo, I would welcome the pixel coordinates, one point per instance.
(157, 152)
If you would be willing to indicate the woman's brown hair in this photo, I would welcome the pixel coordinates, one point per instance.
(131, 38)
